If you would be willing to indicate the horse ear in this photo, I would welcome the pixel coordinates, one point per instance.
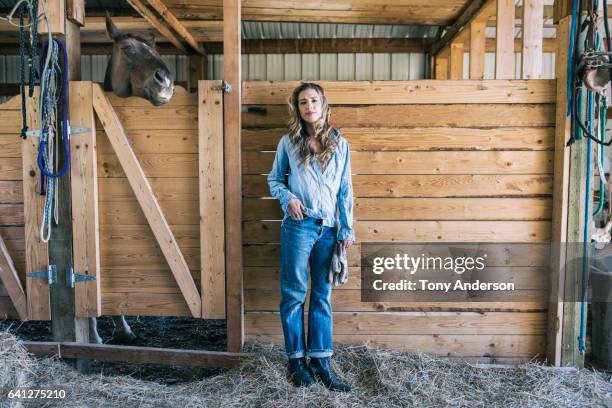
(111, 29)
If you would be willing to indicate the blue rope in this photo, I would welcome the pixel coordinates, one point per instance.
(585, 234)
(570, 60)
(24, 124)
(42, 159)
(33, 46)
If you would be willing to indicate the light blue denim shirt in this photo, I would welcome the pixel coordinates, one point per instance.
(321, 192)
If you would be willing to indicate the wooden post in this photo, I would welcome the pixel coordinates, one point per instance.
(56, 14)
(37, 252)
(212, 221)
(66, 326)
(442, 65)
(232, 125)
(84, 179)
(504, 51)
(477, 49)
(456, 60)
(561, 9)
(570, 355)
(533, 21)
(560, 200)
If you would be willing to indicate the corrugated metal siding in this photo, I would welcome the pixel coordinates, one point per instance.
(357, 66)
(548, 65)
(330, 66)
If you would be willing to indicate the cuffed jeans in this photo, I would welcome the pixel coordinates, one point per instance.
(306, 242)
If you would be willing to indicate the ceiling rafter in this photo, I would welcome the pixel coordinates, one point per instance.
(475, 11)
(166, 24)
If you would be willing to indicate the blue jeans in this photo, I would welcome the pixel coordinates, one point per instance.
(306, 242)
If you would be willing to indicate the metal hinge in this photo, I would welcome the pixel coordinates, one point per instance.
(225, 87)
(72, 277)
(71, 130)
(50, 275)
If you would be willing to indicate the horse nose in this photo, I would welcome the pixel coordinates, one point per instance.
(160, 76)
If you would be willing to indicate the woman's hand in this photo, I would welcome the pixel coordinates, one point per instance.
(296, 209)
(346, 244)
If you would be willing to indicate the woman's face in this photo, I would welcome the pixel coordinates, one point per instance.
(310, 105)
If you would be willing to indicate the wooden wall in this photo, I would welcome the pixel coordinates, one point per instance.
(11, 195)
(462, 161)
(453, 161)
(136, 279)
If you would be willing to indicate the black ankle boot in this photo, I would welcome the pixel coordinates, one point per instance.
(298, 372)
(321, 371)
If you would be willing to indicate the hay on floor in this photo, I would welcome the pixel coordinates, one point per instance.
(379, 379)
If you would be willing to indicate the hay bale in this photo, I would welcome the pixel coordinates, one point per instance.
(379, 378)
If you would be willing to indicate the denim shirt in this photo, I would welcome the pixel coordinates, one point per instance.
(321, 192)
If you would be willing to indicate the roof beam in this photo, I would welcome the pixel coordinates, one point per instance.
(477, 9)
(302, 46)
(176, 25)
(157, 24)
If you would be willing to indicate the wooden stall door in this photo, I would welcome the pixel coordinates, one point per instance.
(148, 206)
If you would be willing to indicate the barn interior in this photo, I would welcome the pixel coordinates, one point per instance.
(454, 114)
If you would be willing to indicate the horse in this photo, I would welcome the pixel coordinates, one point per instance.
(134, 69)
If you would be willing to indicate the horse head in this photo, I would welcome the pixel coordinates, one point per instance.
(136, 68)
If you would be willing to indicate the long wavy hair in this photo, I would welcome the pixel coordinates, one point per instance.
(323, 129)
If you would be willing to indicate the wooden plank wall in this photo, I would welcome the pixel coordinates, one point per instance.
(476, 168)
(11, 195)
(136, 279)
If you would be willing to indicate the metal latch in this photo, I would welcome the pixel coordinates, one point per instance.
(72, 277)
(225, 87)
(50, 275)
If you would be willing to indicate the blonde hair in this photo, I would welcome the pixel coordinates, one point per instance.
(323, 130)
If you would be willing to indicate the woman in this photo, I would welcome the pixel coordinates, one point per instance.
(317, 160)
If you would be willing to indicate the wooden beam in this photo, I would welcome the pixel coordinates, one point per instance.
(176, 25)
(330, 45)
(75, 11)
(476, 10)
(434, 12)
(84, 178)
(441, 70)
(135, 354)
(212, 217)
(560, 200)
(561, 9)
(408, 92)
(157, 24)
(37, 252)
(456, 61)
(56, 12)
(146, 198)
(548, 45)
(477, 50)
(232, 125)
(504, 50)
(10, 280)
(64, 322)
(533, 20)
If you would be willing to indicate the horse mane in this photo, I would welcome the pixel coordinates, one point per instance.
(126, 36)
